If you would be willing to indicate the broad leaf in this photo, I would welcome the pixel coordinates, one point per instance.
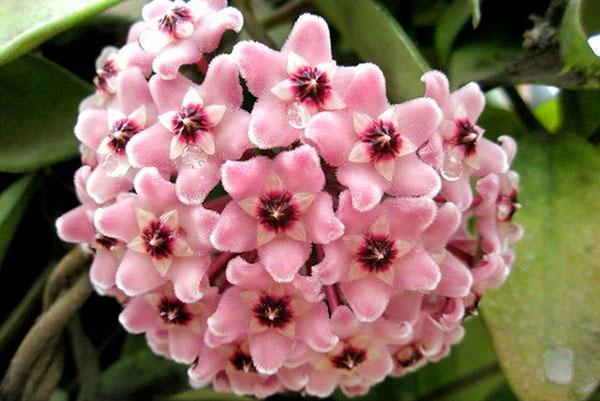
(13, 201)
(38, 106)
(28, 23)
(579, 59)
(545, 320)
(475, 12)
(452, 21)
(377, 37)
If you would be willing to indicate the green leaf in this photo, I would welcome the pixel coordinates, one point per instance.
(28, 23)
(475, 12)
(38, 106)
(470, 369)
(138, 375)
(450, 24)
(204, 394)
(549, 114)
(13, 202)
(545, 320)
(578, 56)
(579, 110)
(377, 37)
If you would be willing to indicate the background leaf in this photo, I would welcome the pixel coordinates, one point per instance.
(13, 202)
(377, 37)
(475, 12)
(28, 23)
(545, 321)
(38, 104)
(451, 22)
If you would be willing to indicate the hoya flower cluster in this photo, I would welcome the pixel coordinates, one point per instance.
(352, 237)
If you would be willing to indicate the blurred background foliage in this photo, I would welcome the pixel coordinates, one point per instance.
(537, 338)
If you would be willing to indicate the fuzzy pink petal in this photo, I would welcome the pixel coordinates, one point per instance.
(417, 271)
(321, 224)
(167, 63)
(231, 135)
(344, 322)
(269, 125)
(244, 274)
(154, 190)
(510, 147)
(418, 119)
(293, 379)
(456, 278)
(235, 231)
(209, 31)
(169, 94)
(366, 93)
(198, 223)
(294, 253)
(134, 56)
(221, 84)
(103, 188)
(75, 226)
(137, 274)
(186, 275)
(366, 185)
(309, 39)
(245, 178)
(118, 220)
(458, 192)
(315, 330)
(133, 92)
(377, 369)
(412, 177)
(300, 169)
(231, 317)
(210, 363)
(92, 127)
(184, 344)
(261, 67)
(269, 349)
(103, 269)
(438, 88)
(150, 148)
(333, 134)
(405, 306)
(367, 296)
(409, 217)
(193, 184)
(492, 158)
(471, 98)
(447, 220)
(334, 265)
(139, 316)
(322, 384)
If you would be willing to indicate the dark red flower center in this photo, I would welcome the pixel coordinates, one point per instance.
(120, 134)
(507, 205)
(273, 311)
(311, 85)
(173, 311)
(407, 356)
(158, 239)
(377, 252)
(349, 358)
(107, 243)
(108, 70)
(276, 210)
(168, 23)
(242, 361)
(189, 122)
(466, 136)
(384, 140)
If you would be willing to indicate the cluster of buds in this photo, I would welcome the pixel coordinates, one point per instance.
(324, 238)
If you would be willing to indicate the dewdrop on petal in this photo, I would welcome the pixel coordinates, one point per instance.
(318, 240)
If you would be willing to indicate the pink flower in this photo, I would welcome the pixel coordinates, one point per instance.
(380, 253)
(161, 314)
(166, 241)
(199, 128)
(278, 208)
(375, 143)
(459, 150)
(182, 32)
(272, 316)
(293, 84)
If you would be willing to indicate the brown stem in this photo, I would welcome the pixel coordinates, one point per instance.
(217, 205)
(48, 326)
(218, 265)
(71, 265)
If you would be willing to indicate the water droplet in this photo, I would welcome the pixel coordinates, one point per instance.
(558, 365)
(297, 115)
(192, 157)
(115, 165)
(452, 166)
